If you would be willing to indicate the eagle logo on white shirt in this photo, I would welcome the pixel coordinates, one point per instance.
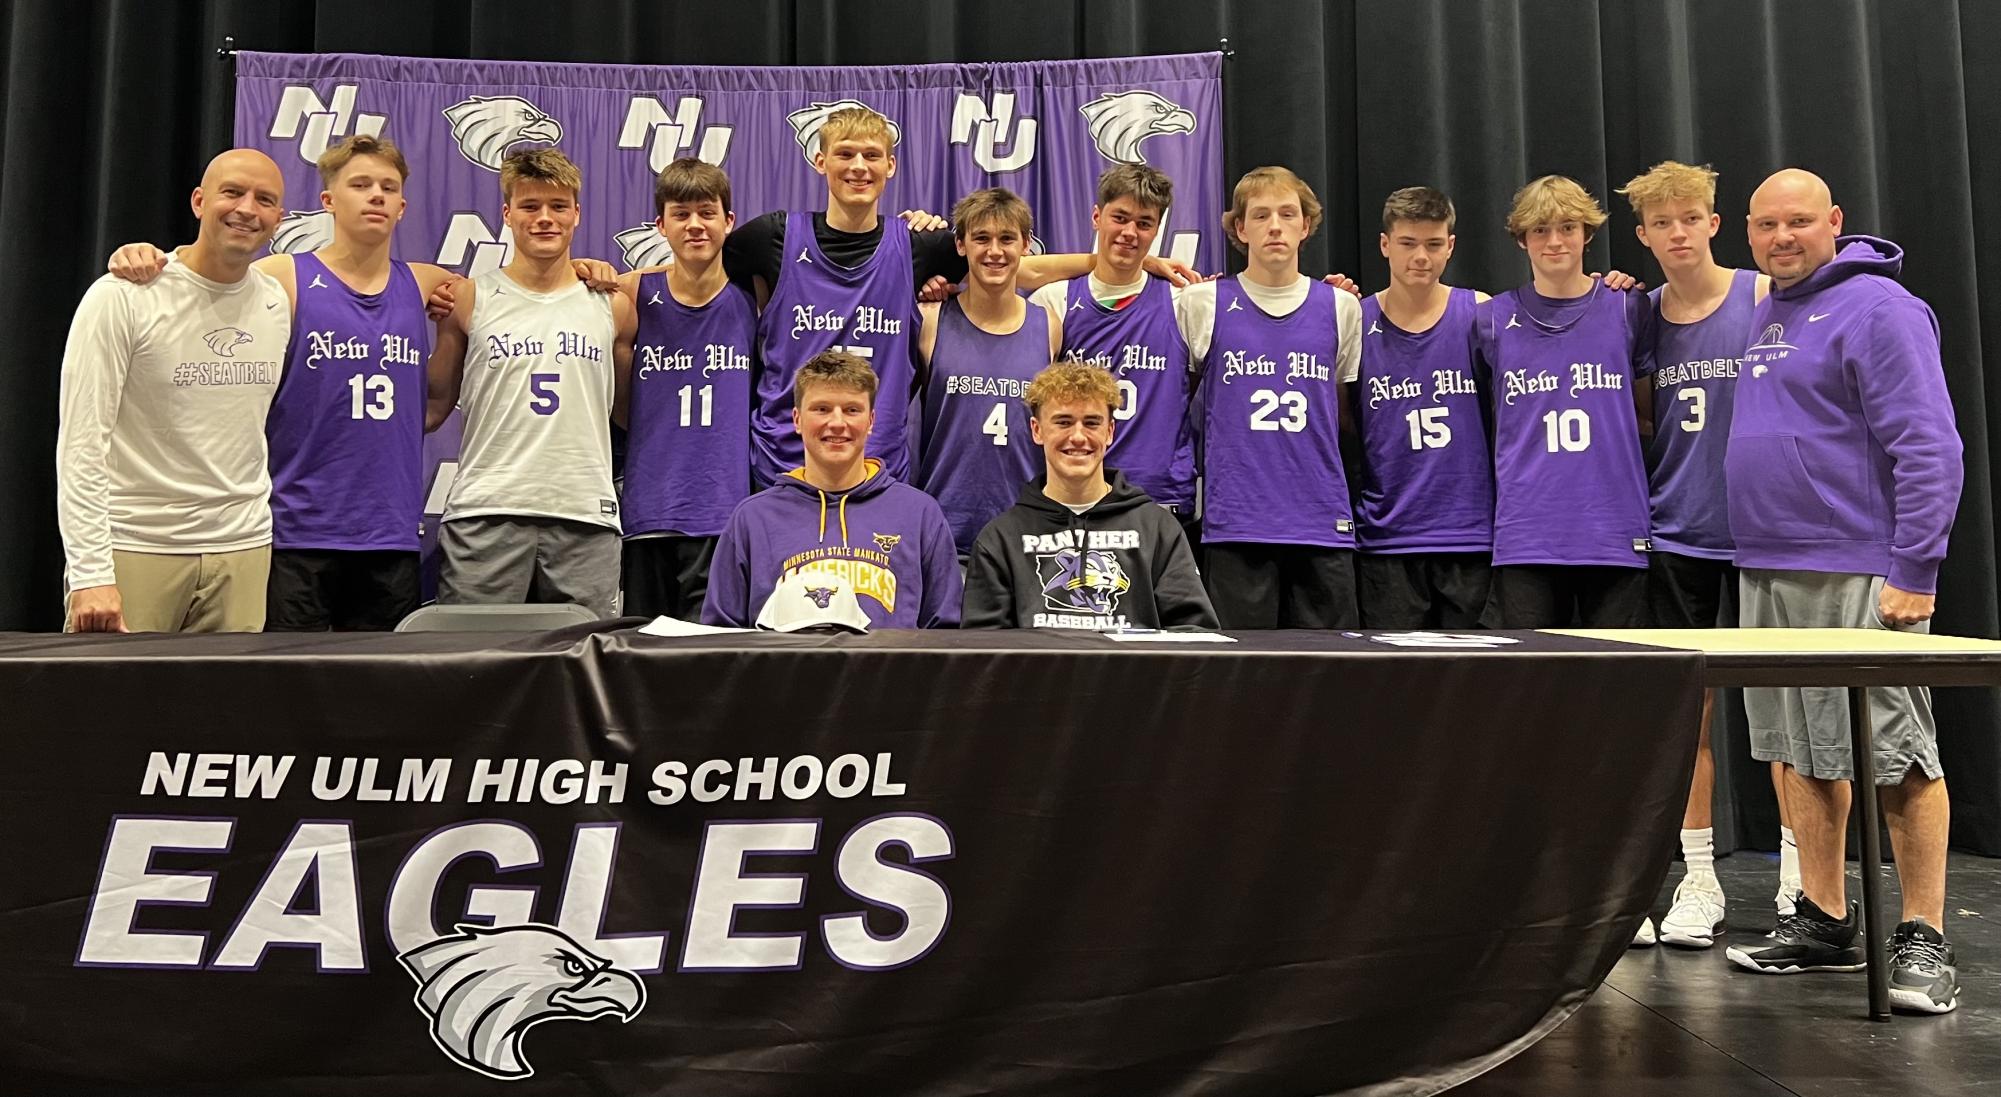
(224, 341)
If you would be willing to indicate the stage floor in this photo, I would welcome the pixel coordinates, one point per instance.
(1672, 1023)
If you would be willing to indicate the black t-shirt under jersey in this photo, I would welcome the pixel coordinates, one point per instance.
(757, 250)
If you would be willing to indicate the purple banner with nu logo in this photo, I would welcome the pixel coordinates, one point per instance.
(1042, 129)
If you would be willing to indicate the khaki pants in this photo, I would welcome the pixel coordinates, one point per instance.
(193, 592)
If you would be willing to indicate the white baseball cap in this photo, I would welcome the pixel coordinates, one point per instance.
(807, 598)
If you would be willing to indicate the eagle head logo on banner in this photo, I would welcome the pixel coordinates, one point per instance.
(1120, 123)
(485, 127)
(642, 246)
(807, 121)
(484, 988)
(302, 230)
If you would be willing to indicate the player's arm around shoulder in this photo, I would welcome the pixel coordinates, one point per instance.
(1348, 333)
(447, 365)
(927, 334)
(625, 321)
(1195, 315)
(1762, 289)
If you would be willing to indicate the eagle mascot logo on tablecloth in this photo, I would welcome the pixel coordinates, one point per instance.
(484, 988)
(486, 126)
(1121, 122)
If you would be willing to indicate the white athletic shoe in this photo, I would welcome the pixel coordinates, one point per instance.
(1696, 916)
(1644, 938)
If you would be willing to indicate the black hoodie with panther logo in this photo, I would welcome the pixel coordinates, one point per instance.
(1124, 563)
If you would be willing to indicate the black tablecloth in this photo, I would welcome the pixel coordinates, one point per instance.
(1303, 863)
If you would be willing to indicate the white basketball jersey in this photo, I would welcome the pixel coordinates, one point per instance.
(537, 394)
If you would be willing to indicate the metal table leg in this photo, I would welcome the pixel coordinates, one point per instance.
(1874, 939)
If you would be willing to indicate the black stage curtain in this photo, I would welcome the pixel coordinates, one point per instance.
(112, 107)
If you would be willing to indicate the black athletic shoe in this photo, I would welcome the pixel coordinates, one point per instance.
(1806, 940)
(1922, 972)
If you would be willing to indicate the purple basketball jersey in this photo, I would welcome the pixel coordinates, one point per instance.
(1427, 480)
(1695, 389)
(1568, 483)
(347, 426)
(1271, 434)
(977, 448)
(687, 458)
(870, 310)
(1153, 440)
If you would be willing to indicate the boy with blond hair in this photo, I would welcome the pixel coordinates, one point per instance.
(1557, 359)
(533, 516)
(1275, 348)
(1082, 548)
(1702, 325)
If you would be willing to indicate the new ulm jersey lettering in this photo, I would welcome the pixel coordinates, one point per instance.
(347, 427)
(537, 397)
(1569, 487)
(1271, 424)
(1427, 479)
(869, 309)
(687, 458)
(1153, 442)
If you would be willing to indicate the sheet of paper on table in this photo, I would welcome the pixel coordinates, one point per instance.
(1145, 636)
(674, 626)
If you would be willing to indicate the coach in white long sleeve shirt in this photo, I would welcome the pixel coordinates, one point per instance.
(163, 492)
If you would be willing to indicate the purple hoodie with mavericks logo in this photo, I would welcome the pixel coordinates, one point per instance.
(887, 540)
(1843, 456)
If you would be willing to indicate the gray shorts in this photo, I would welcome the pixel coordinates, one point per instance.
(516, 560)
(1807, 728)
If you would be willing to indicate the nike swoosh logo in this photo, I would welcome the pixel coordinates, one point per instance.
(1818, 316)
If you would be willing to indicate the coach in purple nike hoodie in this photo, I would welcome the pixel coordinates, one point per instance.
(1842, 455)
(1843, 474)
(839, 523)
